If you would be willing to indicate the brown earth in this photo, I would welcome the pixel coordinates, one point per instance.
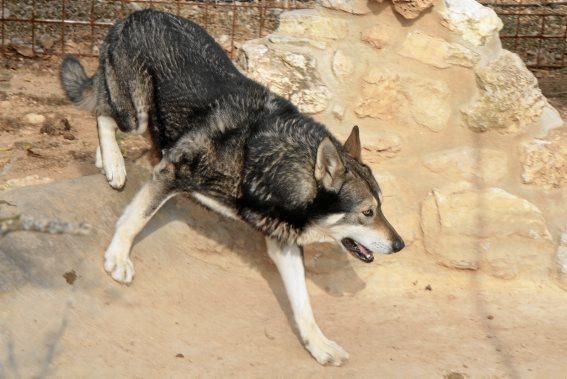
(206, 301)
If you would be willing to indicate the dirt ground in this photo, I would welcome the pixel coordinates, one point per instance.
(211, 309)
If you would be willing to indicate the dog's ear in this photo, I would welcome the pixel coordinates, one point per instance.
(329, 168)
(352, 144)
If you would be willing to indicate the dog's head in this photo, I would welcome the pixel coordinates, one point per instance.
(351, 200)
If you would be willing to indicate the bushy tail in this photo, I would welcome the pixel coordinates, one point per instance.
(77, 85)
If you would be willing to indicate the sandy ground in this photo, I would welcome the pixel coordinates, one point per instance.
(213, 305)
(206, 300)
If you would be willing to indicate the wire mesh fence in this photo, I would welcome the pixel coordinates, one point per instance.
(537, 30)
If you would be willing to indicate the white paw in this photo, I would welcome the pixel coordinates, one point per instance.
(114, 169)
(326, 351)
(119, 267)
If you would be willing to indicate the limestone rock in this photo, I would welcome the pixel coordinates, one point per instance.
(474, 22)
(381, 95)
(290, 74)
(544, 161)
(411, 9)
(296, 41)
(312, 100)
(310, 23)
(382, 144)
(488, 229)
(437, 52)
(428, 101)
(343, 65)
(385, 92)
(349, 6)
(378, 36)
(468, 163)
(509, 100)
(34, 118)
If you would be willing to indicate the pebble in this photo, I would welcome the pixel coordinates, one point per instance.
(34, 118)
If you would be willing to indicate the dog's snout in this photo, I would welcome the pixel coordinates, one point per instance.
(398, 245)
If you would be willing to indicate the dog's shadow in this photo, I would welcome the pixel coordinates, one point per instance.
(326, 265)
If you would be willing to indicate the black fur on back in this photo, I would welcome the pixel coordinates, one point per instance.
(227, 136)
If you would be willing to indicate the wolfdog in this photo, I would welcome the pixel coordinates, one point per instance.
(232, 146)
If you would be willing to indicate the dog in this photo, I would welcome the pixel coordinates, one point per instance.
(232, 146)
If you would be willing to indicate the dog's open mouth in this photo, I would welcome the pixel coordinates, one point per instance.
(358, 250)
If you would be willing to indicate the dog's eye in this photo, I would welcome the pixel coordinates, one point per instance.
(368, 213)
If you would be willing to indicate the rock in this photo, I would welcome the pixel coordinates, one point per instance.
(30, 180)
(46, 41)
(34, 119)
(509, 99)
(338, 111)
(24, 50)
(342, 64)
(437, 52)
(429, 101)
(385, 92)
(469, 163)
(474, 22)
(488, 229)
(383, 144)
(312, 100)
(310, 23)
(378, 36)
(296, 41)
(349, 6)
(289, 74)
(544, 161)
(411, 9)
(381, 95)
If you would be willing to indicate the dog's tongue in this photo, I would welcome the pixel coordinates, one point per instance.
(365, 254)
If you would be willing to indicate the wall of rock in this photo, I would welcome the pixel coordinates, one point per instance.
(471, 156)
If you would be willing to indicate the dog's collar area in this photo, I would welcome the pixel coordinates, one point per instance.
(358, 250)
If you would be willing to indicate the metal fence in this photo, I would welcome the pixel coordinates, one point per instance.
(537, 30)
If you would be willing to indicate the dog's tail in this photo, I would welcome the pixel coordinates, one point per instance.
(77, 85)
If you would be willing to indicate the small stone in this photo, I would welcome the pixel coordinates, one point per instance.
(490, 317)
(179, 355)
(34, 118)
(24, 50)
(70, 277)
(411, 9)
(349, 6)
(377, 36)
(428, 287)
(343, 65)
(46, 41)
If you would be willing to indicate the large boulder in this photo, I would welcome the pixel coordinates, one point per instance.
(488, 229)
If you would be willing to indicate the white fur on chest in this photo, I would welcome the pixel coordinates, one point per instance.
(215, 205)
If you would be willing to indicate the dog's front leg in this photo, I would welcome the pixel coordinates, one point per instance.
(289, 261)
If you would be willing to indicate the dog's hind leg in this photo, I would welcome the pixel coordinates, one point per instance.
(289, 261)
(112, 159)
(144, 205)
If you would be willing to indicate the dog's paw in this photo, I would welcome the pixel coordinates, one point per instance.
(121, 269)
(326, 351)
(115, 169)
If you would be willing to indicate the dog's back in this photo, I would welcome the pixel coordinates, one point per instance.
(156, 69)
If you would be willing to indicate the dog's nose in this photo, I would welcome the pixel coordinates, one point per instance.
(398, 245)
